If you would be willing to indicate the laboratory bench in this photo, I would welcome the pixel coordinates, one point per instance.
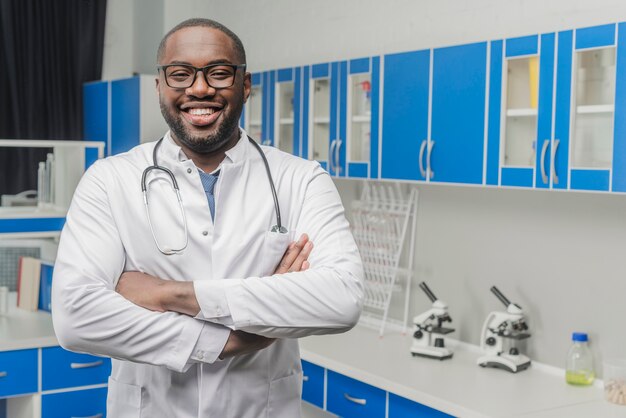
(358, 364)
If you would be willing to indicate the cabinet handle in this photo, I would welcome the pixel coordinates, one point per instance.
(3, 374)
(85, 365)
(431, 145)
(331, 155)
(421, 158)
(305, 378)
(355, 400)
(542, 161)
(337, 162)
(555, 178)
(91, 416)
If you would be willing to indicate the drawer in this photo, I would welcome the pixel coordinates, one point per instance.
(79, 403)
(313, 383)
(348, 398)
(64, 369)
(404, 408)
(18, 372)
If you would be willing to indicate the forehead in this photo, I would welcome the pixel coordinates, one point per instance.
(199, 45)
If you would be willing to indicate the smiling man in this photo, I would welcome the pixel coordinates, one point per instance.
(197, 287)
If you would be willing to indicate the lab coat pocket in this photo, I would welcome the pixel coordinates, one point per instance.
(123, 400)
(274, 248)
(285, 396)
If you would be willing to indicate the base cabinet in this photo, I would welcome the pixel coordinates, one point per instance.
(404, 408)
(88, 403)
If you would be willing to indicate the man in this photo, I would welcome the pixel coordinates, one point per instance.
(207, 330)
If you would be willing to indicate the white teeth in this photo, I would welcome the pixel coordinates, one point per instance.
(203, 111)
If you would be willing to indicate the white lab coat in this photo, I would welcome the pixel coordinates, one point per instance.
(167, 363)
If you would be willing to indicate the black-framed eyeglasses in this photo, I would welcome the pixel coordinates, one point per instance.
(218, 76)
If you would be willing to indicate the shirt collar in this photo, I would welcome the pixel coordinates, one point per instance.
(236, 154)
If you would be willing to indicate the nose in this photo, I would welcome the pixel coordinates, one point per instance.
(200, 87)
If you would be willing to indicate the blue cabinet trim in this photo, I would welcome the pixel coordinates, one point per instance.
(320, 70)
(285, 74)
(96, 111)
(563, 108)
(306, 82)
(297, 112)
(619, 130)
(361, 65)
(125, 117)
(495, 108)
(527, 45)
(520, 177)
(544, 117)
(343, 116)
(31, 225)
(272, 110)
(595, 37)
(590, 179)
(358, 170)
(374, 127)
(256, 78)
(404, 408)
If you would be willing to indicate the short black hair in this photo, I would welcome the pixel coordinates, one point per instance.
(207, 23)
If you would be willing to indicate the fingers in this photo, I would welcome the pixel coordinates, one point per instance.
(292, 253)
(302, 257)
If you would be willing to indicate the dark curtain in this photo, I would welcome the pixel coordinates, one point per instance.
(48, 49)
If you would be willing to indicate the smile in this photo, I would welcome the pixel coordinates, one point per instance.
(201, 116)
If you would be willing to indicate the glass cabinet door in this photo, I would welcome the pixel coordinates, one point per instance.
(285, 116)
(520, 121)
(594, 81)
(320, 122)
(360, 104)
(254, 120)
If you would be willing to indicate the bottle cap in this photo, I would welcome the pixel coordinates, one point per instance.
(580, 336)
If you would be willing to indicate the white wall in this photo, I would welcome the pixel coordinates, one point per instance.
(559, 255)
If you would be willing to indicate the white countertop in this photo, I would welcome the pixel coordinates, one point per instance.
(457, 386)
(22, 329)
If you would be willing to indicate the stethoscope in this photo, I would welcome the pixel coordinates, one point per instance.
(155, 166)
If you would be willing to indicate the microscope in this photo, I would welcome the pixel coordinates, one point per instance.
(500, 328)
(428, 337)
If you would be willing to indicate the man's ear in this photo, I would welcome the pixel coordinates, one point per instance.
(247, 86)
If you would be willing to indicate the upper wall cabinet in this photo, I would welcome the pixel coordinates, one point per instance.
(343, 122)
(272, 114)
(434, 115)
(553, 101)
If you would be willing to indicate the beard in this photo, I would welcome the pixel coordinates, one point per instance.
(204, 143)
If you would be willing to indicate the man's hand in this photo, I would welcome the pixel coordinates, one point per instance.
(240, 343)
(296, 256)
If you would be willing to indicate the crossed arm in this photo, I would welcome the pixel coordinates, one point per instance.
(162, 295)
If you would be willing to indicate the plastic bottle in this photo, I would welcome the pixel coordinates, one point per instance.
(579, 361)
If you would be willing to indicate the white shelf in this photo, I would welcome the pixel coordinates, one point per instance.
(30, 212)
(285, 121)
(521, 112)
(595, 109)
(361, 118)
(321, 120)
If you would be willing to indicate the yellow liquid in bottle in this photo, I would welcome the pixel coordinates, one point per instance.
(579, 378)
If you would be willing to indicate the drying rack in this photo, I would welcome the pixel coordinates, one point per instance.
(383, 217)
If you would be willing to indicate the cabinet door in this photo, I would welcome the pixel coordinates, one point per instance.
(267, 111)
(96, 115)
(347, 397)
(338, 118)
(590, 134)
(18, 372)
(286, 106)
(405, 115)
(125, 115)
(64, 369)
(313, 384)
(619, 141)
(252, 116)
(320, 133)
(362, 113)
(458, 113)
(403, 408)
(89, 403)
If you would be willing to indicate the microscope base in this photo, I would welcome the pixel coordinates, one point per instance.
(505, 362)
(432, 352)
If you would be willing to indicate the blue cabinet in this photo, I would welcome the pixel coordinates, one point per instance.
(404, 408)
(434, 115)
(81, 403)
(313, 384)
(64, 369)
(123, 113)
(18, 372)
(455, 152)
(405, 122)
(347, 397)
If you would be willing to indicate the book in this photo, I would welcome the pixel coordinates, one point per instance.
(28, 280)
(45, 287)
